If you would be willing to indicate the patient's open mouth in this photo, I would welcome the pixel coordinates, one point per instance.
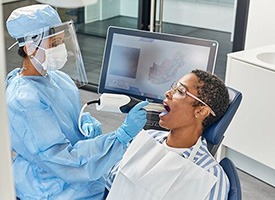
(167, 108)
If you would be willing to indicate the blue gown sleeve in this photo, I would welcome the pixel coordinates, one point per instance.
(43, 140)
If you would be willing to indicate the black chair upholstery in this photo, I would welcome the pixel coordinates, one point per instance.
(235, 192)
(214, 134)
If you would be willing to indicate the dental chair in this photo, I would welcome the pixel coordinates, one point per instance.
(229, 168)
(214, 134)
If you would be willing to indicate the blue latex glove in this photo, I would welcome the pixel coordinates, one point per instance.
(90, 125)
(133, 123)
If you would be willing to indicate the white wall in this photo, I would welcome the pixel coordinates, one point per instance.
(6, 178)
(129, 8)
(92, 12)
(103, 9)
(110, 8)
(261, 24)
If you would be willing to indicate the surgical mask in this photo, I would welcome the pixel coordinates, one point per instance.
(55, 57)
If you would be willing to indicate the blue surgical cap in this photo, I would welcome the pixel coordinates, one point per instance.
(31, 19)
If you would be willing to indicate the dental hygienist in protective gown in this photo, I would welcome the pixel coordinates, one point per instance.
(53, 160)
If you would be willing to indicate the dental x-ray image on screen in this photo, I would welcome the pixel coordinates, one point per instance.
(124, 67)
(144, 64)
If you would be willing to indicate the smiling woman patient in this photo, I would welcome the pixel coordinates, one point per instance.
(178, 166)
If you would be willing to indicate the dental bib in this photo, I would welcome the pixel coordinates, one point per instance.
(149, 171)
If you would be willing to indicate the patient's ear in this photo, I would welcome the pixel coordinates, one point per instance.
(202, 112)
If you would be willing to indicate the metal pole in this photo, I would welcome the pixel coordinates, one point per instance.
(152, 16)
(240, 25)
(160, 15)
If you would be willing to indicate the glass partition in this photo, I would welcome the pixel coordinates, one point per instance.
(208, 19)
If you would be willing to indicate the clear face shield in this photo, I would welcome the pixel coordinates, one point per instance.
(56, 48)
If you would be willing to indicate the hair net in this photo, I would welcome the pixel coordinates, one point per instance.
(31, 19)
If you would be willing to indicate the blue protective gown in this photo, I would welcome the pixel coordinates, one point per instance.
(53, 160)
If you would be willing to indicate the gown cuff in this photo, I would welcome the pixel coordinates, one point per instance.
(123, 137)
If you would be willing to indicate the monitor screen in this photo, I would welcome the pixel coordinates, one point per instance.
(144, 64)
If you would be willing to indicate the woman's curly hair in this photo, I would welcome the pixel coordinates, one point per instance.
(214, 93)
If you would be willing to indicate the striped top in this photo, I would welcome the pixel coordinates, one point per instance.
(203, 159)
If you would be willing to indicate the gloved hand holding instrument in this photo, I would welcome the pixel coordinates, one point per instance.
(134, 121)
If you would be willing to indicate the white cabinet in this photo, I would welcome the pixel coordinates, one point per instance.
(251, 134)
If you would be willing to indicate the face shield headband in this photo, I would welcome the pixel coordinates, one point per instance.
(56, 48)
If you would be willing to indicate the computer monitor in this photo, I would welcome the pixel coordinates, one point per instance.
(144, 64)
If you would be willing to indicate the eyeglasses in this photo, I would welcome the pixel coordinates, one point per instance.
(180, 92)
